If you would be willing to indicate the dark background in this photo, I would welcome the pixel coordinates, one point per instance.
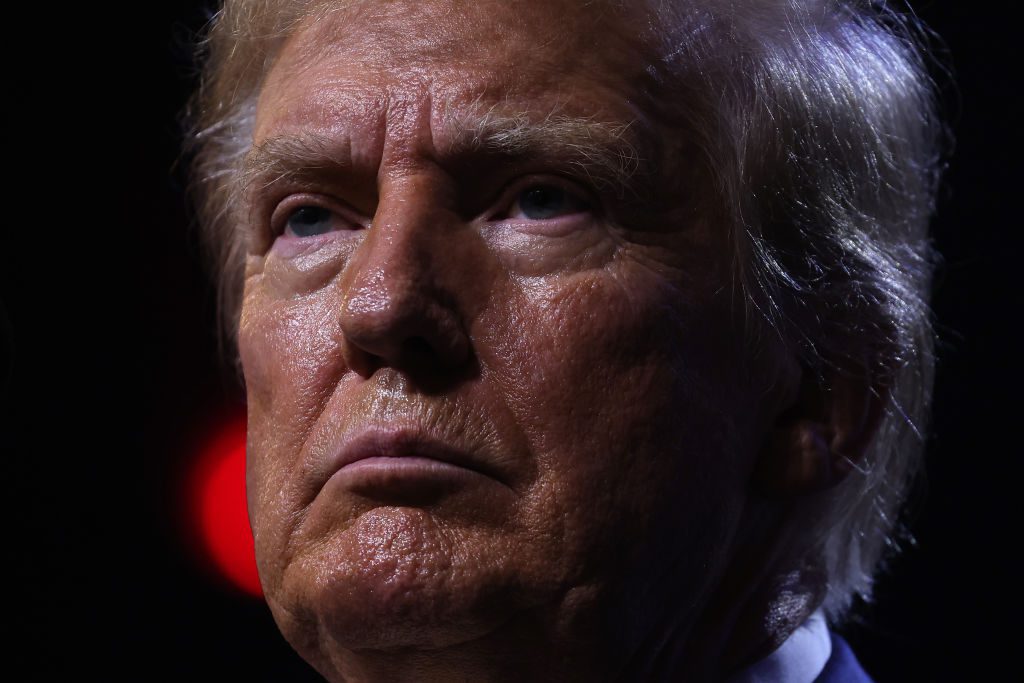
(114, 377)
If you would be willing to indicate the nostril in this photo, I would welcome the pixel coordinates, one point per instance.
(402, 326)
(418, 346)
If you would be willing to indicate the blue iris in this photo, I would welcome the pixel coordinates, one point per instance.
(541, 202)
(308, 221)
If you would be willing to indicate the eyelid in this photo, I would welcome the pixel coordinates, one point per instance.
(288, 205)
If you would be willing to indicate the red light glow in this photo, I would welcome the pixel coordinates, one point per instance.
(218, 508)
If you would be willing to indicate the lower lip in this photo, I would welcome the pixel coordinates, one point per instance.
(407, 475)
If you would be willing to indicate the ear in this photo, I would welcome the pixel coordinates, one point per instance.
(819, 440)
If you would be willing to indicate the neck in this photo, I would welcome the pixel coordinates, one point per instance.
(758, 602)
(673, 649)
(654, 632)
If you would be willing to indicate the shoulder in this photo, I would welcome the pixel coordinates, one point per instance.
(842, 666)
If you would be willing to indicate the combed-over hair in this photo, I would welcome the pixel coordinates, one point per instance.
(817, 125)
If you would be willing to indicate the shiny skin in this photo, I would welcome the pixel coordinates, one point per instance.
(591, 360)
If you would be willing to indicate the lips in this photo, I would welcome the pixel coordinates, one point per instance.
(407, 449)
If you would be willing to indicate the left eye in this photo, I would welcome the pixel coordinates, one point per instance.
(307, 221)
(542, 202)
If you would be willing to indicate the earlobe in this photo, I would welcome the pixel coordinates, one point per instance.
(818, 442)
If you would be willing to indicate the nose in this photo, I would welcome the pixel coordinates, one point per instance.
(399, 305)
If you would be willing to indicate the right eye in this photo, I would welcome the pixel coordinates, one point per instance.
(307, 221)
(302, 216)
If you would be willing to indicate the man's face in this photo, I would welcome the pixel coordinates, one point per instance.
(487, 336)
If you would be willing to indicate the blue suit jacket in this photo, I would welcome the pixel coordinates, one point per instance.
(842, 666)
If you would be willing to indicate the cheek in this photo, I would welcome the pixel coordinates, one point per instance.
(289, 332)
(291, 362)
(588, 353)
(623, 400)
(289, 348)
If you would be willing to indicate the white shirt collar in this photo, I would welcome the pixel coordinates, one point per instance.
(800, 659)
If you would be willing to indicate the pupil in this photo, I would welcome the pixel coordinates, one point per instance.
(309, 220)
(542, 202)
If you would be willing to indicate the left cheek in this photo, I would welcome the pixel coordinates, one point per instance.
(599, 398)
(634, 383)
(608, 366)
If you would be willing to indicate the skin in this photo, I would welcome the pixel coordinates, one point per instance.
(589, 363)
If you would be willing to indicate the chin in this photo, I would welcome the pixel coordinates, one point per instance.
(395, 579)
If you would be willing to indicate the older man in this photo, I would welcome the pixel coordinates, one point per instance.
(582, 340)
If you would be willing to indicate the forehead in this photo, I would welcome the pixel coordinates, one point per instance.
(430, 63)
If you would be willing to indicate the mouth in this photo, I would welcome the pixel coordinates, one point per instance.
(407, 465)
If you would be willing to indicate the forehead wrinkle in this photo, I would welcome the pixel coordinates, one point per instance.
(605, 152)
(600, 154)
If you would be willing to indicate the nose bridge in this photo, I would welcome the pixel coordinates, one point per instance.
(399, 258)
(398, 292)
(410, 221)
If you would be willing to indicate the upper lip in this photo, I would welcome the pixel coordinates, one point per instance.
(406, 441)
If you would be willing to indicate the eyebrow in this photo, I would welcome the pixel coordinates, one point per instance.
(606, 154)
(285, 156)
